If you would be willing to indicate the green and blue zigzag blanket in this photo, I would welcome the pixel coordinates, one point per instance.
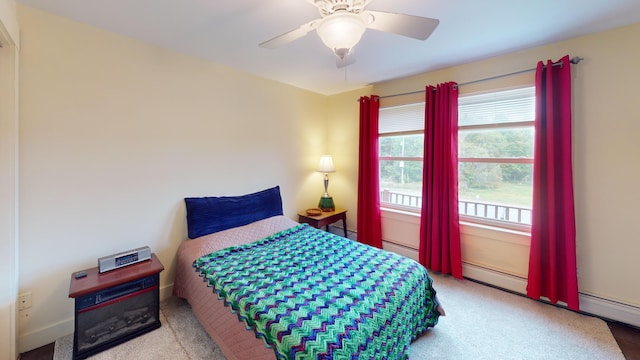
(310, 294)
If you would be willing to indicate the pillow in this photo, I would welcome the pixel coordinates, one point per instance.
(207, 215)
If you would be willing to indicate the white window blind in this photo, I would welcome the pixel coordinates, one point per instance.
(497, 108)
(402, 118)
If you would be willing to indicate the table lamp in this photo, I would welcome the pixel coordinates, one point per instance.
(326, 166)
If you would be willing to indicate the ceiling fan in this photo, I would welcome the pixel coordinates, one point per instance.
(343, 22)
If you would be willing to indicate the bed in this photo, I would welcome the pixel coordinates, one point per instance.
(266, 287)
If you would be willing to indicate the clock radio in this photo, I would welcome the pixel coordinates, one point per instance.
(115, 261)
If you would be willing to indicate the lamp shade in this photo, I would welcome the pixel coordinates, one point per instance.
(326, 164)
(341, 30)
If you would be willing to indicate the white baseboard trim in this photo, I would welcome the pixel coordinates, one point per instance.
(45, 335)
(166, 291)
(48, 334)
(589, 304)
(495, 278)
(610, 309)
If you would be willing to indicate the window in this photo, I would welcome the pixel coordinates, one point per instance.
(495, 150)
(495, 155)
(401, 130)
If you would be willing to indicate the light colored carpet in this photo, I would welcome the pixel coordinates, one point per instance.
(481, 323)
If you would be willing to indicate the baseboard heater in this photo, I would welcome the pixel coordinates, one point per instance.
(589, 304)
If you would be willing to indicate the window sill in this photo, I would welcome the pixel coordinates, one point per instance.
(496, 224)
(399, 211)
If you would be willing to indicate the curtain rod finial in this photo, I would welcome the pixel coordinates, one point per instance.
(576, 59)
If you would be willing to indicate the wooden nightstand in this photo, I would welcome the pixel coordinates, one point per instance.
(325, 219)
(114, 306)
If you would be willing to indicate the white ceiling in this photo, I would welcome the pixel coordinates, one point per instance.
(228, 32)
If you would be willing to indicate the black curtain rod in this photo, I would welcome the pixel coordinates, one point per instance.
(573, 60)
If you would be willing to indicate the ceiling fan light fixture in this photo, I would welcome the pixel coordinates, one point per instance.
(341, 30)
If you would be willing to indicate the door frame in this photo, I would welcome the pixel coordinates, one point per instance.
(8, 192)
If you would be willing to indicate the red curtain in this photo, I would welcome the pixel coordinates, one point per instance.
(439, 222)
(552, 261)
(369, 224)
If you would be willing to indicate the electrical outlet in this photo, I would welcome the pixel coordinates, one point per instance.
(24, 301)
(24, 314)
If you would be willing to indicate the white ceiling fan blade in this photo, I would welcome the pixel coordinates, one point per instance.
(407, 25)
(291, 35)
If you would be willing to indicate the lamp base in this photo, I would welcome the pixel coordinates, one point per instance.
(326, 204)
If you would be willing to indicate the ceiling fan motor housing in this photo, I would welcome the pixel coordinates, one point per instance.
(328, 7)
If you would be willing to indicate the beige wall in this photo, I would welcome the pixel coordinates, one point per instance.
(342, 143)
(8, 178)
(114, 133)
(606, 125)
